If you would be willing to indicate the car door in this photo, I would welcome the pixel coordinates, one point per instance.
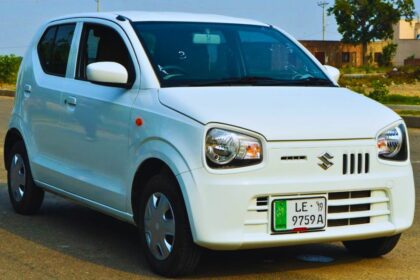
(44, 80)
(96, 120)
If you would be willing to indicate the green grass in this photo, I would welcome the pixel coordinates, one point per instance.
(369, 69)
(364, 69)
(401, 99)
(408, 112)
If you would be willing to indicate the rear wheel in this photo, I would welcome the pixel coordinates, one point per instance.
(372, 248)
(25, 196)
(164, 228)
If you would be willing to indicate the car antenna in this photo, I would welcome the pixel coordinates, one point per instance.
(123, 18)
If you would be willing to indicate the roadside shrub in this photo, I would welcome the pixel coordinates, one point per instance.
(363, 81)
(9, 67)
(358, 89)
(366, 69)
(411, 57)
(379, 91)
(405, 75)
(349, 69)
(388, 53)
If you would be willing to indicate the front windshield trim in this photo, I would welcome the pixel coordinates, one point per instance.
(196, 83)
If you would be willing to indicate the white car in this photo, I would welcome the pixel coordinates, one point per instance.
(205, 131)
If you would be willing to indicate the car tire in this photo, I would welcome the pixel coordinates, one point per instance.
(164, 228)
(25, 196)
(372, 248)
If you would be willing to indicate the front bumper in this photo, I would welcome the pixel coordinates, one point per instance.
(227, 209)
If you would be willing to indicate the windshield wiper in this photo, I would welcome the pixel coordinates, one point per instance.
(247, 80)
(313, 81)
(263, 81)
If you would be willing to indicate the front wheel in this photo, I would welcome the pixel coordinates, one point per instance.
(164, 228)
(372, 248)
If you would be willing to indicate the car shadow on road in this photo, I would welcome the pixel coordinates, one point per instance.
(89, 236)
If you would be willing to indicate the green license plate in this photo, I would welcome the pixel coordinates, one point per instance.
(299, 214)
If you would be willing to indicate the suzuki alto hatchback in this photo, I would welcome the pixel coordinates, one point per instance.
(205, 131)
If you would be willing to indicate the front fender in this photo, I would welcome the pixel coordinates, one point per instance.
(162, 150)
(169, 154)
(166, 152)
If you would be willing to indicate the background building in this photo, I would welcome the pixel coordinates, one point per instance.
(339, 54)
(407, 37)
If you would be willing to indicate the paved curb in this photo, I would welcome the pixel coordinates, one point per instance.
(411, 121)
(404, 107)
(362, 75)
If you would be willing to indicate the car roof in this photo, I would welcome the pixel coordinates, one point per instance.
(165, 17)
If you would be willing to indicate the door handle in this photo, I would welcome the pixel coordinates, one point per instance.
(70, 101)
(27, 88)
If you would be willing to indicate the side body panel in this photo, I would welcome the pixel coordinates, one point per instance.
(168, 136)
(39, 108)
(95, 133)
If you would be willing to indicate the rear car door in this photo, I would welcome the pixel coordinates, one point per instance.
(96, 120)
(44, 78)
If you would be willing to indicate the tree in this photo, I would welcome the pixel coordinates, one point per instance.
(363, 21)
(388, 53)
(9, 66)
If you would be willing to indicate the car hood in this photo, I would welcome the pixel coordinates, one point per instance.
(283, 113)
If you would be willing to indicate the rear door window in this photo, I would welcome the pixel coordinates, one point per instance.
(54, 48)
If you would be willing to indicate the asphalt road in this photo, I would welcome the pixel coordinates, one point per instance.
(69, 241)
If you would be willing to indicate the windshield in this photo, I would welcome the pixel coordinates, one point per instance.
(211, 54)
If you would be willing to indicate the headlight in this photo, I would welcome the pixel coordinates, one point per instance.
(227, 148)
(392, 144)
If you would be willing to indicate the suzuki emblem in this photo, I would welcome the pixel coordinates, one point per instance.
(326, 163)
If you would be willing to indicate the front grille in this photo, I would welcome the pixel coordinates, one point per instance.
(332, 209)
(344, 209)
(358, 207)
(356, 163)
(262, 201)
(293, 158)
(346, 222)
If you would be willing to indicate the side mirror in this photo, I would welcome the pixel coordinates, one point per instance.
(333, 72)
(107, 72)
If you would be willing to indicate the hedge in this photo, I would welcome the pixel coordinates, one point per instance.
(9, 67)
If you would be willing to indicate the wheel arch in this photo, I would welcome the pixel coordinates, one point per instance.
(153, 166)
(147, 169)
(13, 135)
